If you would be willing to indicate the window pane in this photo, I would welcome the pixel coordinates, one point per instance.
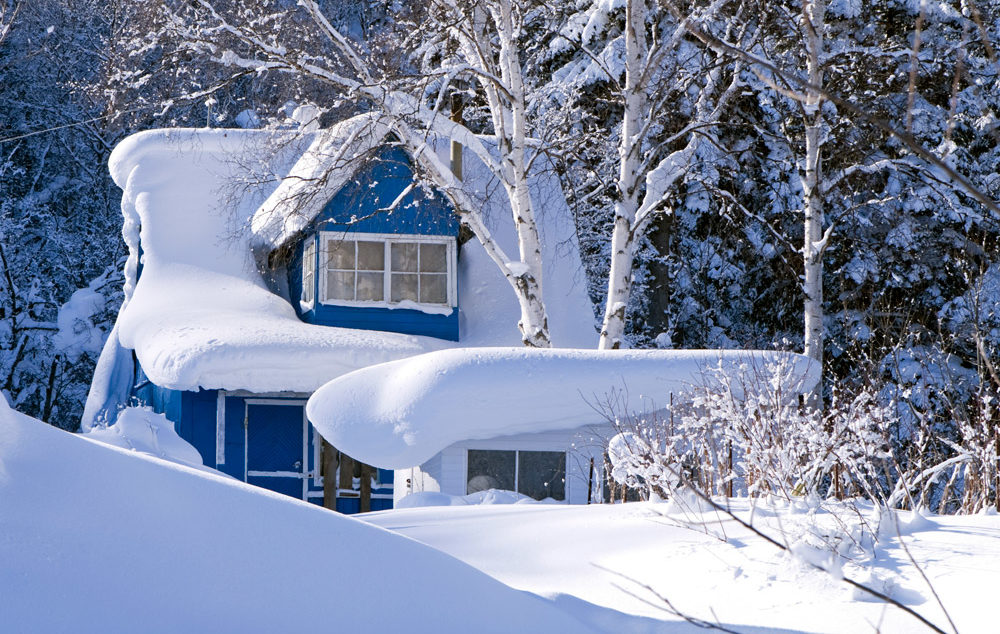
(433, 288)
(490, 469)
(307, 287)
(371, 256)
(370, 287)
(340, 285)
(404, 256)
(340, 254)
(433, 258)
(542, 474)
(404, 286)
(308, 267)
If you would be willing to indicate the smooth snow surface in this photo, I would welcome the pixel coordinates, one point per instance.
(98, 539)
(489, 496)
(601, 561)
(200, 314)
(142, 430)
(398, 415)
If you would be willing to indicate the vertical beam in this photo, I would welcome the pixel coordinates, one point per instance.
(366, 488)
(305, 456)
(220, 428)
(330, 461)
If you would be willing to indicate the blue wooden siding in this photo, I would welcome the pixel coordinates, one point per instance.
(355, 209)
(194, 418)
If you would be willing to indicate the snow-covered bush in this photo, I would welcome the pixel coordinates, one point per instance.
(751, 434)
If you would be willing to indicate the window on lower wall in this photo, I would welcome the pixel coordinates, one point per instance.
(537, 474)
(387, 270)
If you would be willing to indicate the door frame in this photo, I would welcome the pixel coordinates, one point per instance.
(306, 474)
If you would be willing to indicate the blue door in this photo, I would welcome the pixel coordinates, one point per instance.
(276, 445)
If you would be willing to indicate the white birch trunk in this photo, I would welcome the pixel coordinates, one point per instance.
(626, 207)
(813, 28)
(632, 213)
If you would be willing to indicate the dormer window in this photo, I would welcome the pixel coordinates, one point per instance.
(386, 270)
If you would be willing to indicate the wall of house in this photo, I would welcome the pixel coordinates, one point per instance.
(355, 209)
(447, 471)
(204, 416)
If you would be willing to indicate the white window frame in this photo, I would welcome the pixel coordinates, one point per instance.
(517, 467)
(387, 239)
(309, 265)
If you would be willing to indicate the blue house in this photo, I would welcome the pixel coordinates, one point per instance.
(263, 266)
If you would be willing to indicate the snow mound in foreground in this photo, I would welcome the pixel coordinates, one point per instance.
(141, 429)
(97, 539)
(399, 414)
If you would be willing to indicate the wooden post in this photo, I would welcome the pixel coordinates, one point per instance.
(367, 472)
(329, 461)
(590, 482)
(347, 467)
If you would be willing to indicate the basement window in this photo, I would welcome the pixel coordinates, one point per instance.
(537, 474)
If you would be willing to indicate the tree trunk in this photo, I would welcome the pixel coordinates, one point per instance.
(813, 28)
(623, 237)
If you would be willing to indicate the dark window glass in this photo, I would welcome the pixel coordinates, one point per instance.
(542, 474)
(489, 469)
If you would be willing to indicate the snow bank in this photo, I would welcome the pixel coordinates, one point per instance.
(397, 415)
(98, 539)
(142, 430)
(606, 561)
(487, 497)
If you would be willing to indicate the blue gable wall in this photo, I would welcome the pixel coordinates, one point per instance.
(355, 209)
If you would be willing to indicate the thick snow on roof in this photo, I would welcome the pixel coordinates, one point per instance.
(102, 539)
(399, 414)
(200, 314)
(331, 159)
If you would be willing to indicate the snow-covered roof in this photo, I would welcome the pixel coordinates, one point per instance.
(326, 165)
(201, 316)
(398, 415)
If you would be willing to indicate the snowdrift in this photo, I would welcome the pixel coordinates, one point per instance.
(397, 415)
(98, 539)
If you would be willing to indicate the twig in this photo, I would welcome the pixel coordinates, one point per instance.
(851, 582)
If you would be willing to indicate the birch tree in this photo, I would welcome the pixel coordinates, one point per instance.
(813, 25)
(649, 69)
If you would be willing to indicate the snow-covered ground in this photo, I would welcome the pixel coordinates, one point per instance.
(99, 538)
(617, 566)
(96, 538)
